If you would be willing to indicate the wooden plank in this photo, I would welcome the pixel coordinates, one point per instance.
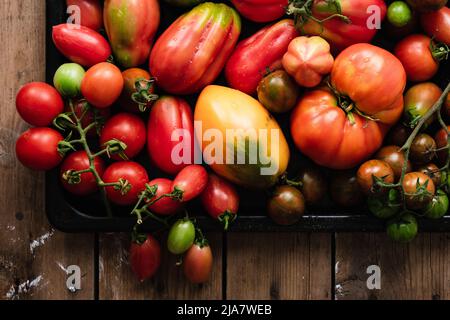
(117, 282)
(278, 266)
(419, 270)
(32, 254)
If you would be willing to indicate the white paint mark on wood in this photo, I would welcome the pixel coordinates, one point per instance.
(10, 228)
(62, 267)
(36, 243)
(336, 267)
(338, 291)
(14, 292)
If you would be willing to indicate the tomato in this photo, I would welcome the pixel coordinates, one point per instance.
(39, 103)
(438, 207)
(419, 60)
(145, 257)
(198, 263)
(277, 92)
(170, 134)
(259, 54)
(137, 94)
(399, 14)
(355, 24)
(131, 26)
(127, 128)
(286, 206)
(184, 3)
(308, 59)
(134, 174)
(91, 115)
(426, 5)
(91, 14)
(85, 183)
(423, 149)
(384, 205)
(313, 184)
(165, 206)
(370, 171)
(67, 79)
(437, 24)
(190, 182)
(102, 85)
(192, 52)
(441, 144)
(403, 229)
(181, 236)
(418, 100)
(261, 10)
(345, 190)
(37, 148)
(419, 189)
(330, 129)
(395, 158)
(396, 33)
(432, 171)
(220, 200)
(80, 44)
(229, 119)
(398, 135)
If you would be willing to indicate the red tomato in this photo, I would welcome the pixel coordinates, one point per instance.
(332, 132)
(254, 56)
(144, 95)
(191, 181)
(37, 148)
(78, 161)
(261, 10)
(128, 128)
(168, 116)
(102, 85)
(145, 258)
(133, 173)
(164, 206)
(437, 24)
(417, 58)
(197, 263)
(80, 44)
(39, 103)
(441, 143)
(220, 199)
(91, 13)
(93, 114)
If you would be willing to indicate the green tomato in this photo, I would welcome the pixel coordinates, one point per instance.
(67, 79)
(184, 3)
(403, 229)
(384, 206)
(181, 236)
(399, 14)
(438, 207)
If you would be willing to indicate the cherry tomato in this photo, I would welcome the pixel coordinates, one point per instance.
(93, 114)
(197, 263)
(165, 206)
(403, 229)
(398, 135)
(370, 170)
(426, 5)
(438, 207)
(39, 103)
(395, 158)
(145, 257)
(181, 236)
(423, 149)
(441, 144)
(384, 205)
(37, 148)
(437, 24)
(67, 79)
(133, 173)
(86, 183)
(286, 206)
(143, 92)
(419, 189)
(314, 185)
(417, 57)
(432, 171)
(418, 100)
(191, 181)
(91, 13)
(102, 85)
(220, 200)
(345, 190)
(128, 128)
(399, 14)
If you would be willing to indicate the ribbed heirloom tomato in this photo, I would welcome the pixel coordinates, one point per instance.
(342, 127)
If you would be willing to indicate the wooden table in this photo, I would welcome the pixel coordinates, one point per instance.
(34, 257)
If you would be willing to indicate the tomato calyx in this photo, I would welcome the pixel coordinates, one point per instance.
(200, 239)
(138, 237)
(226, 218)
(115, 147)
(439, 51)
(143, 95)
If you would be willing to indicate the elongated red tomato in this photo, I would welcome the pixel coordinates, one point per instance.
(165, 206)
(91, 14)
(197, 263)
(191, 181)
(254, 56)
(191, 53)
(80, 44)
(170, 134)
(145, 258)
(261, 10)
(437, 24)
(332, 131)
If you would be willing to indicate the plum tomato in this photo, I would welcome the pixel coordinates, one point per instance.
(167, 205)
(198, 263)
(145, 256)
(181, 236)
(190, 182)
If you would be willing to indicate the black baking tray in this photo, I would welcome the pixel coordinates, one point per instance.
(70, 214)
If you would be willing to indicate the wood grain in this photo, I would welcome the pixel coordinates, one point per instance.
(278, 266)
(32, 254)
(117, 281)
(419, 270)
